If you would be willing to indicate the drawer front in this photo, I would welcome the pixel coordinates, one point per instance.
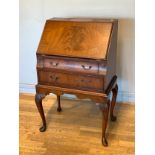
(71, 65)
(71, 80)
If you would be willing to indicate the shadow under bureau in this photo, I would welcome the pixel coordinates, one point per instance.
(78, 56)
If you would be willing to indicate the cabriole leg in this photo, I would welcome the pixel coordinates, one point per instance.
(38, 101)
(59, 105)
(113, 102)
(105, 113)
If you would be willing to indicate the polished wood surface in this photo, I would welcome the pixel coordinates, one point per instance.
(71, 80)
(63, 64)
(111, 56)
(74, 131)
(78, 57)
(75, 39)
(79, 65)
(94, 96)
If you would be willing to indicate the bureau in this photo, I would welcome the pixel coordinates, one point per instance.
(78, 56)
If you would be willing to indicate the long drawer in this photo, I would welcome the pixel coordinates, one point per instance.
(72, 64)
(71, 80)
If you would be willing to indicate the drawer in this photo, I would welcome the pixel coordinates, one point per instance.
(71, 65)
(69, 80)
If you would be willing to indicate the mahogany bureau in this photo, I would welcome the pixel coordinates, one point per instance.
(77, 56)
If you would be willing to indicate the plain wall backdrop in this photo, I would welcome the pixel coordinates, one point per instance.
(33, 14)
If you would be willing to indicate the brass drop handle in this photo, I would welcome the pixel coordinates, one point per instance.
(53, 77)
(54, 63)
(86, 67)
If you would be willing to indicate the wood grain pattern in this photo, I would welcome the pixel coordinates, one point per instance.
(65, 137)
(66, 64)
(72, 65)
(71, 80)
(94, 96)
(78, 57)
(75, 39)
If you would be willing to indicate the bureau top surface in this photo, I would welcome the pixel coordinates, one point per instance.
(83, 38)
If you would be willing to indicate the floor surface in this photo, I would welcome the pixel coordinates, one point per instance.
(74, 131)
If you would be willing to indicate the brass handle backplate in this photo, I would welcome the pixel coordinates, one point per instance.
(54, 77)
(54, 63)
(86, 67)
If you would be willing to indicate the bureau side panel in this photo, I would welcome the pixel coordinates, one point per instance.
(111, 55)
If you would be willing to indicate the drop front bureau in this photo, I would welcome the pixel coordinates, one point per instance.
(78, 56)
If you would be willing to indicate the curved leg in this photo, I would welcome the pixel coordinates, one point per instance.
(59, 105)
(113, 102)
(38, 101)
(105, 113)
